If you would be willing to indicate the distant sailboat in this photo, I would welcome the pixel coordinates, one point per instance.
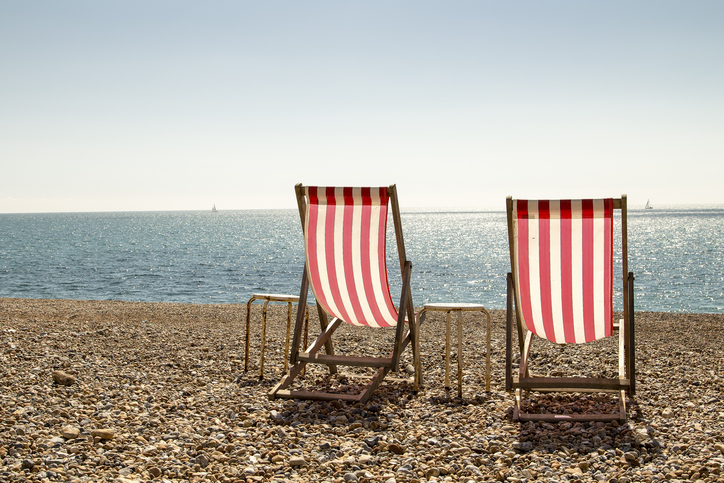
(648, 205)
(213, 209)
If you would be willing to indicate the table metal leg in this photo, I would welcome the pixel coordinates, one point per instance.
(447, 352)
(263, 339)
(487, 355)
(460, 354)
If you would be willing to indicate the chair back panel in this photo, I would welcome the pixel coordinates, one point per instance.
(562, 254)
(345, 235)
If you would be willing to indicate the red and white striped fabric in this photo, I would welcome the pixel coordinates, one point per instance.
(563, 251)
(345, 243)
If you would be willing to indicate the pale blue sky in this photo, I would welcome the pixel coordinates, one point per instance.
(175, 105)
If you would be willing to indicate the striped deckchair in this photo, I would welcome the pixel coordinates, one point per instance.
(345, 233)
(561, 254)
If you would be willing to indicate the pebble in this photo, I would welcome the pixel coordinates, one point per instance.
(396, 448)
(63, 379)
(70, 432)
(167, 400)
(103, 433)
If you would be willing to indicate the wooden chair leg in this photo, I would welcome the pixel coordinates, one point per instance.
(509, 336)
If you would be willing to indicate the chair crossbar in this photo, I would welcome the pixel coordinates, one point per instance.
(345, 360)
(571, 384)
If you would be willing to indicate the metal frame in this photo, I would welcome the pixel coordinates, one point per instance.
(289, 299)
(458, 308)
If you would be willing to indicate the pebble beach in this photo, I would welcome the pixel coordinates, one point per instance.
(137, 392)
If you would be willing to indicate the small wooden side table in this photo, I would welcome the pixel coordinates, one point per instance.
(459, 308)
(268, 297)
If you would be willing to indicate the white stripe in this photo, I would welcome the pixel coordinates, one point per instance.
(377, 289)
(577, 269)
(556, 278)
(599, 302)
(357, 256)
(322, 257)
(534, 267)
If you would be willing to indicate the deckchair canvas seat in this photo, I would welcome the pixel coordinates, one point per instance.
(345, 233)
(561, 283)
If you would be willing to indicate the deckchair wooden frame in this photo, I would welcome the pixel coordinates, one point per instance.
(300, 358)
(623, 385)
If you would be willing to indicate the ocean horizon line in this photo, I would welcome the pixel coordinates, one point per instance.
(417, 210)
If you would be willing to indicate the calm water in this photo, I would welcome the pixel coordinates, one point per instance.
(200, 257)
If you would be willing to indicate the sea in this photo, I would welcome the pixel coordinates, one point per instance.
(676, 254)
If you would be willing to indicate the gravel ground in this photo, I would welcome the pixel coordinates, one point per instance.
(127, 392)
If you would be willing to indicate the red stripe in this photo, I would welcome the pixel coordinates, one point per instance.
(544, 260)
(588, 275)
(365, 254)
(313, 196)
(523, 264)
(608, 266)
(348, 195)
(567, 272)
(347, 241)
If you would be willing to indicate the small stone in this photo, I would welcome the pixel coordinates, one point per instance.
(529, 473)
(372, 442)
(365, 459)
(276, 417)
(631, 456)
(667, 413)
(395, 448)
(297, 461)
(69, 432)
(125, 471)
(28, 464)
(474, 470)
(410, 369)
(202, 461)
(524, 446)
(350, 478)
(432, 473)
(720, 447)
(103, 433)
(63, 379)
(155, 472)
(276, 459)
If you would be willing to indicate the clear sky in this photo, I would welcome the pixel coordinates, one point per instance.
(177, 105)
